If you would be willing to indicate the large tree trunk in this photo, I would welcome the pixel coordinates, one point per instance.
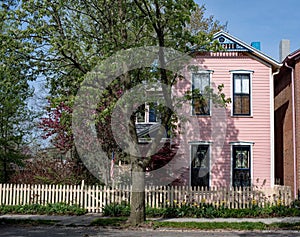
(137, 200)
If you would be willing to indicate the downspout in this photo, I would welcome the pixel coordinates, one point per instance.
(273, 130)
(294, 129)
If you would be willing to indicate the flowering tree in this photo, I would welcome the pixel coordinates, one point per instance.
(56, 126)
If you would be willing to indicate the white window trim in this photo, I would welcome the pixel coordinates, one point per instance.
(209, 144)
(147, 116)
(242, 71)
(241, 143)
(210, 72)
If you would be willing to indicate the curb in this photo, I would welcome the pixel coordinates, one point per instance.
(86, 220)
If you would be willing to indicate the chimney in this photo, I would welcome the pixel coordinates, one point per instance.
(284, 49)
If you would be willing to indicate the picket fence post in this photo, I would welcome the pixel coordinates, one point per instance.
(94, 198)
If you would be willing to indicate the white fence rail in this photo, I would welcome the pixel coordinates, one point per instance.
(94, 198)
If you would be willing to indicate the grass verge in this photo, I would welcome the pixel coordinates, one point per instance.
(121, 222)
(227, 225)
(212, 225)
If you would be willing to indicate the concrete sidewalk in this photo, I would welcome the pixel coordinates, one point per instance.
(86, 220)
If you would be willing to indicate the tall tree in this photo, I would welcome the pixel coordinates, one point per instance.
(180, 25)
(71, 36)
(15, 72)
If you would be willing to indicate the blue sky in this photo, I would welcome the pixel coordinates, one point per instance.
(267, 21)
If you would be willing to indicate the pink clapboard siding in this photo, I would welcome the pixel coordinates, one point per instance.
(221, 129)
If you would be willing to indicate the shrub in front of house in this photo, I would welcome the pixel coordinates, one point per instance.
(49, 209)
(203, 210)
(115, 209)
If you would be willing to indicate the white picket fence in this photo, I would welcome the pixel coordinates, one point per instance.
(94, 198)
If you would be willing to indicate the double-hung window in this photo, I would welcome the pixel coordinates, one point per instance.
(200, 97)
(241, 94)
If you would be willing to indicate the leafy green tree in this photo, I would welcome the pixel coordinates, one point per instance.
(70, 37)
(15, 72)
(179, 25)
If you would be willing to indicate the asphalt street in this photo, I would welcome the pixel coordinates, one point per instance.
(80, 226)
(59, 231)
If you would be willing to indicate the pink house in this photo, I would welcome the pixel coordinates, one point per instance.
(232, 146)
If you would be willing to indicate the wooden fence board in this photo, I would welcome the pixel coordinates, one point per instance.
(94, 198)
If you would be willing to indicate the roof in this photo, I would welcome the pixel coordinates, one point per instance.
(146, 128)
(238, 45)
(293, 56)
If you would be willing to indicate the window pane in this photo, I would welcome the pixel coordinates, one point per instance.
(205, 82)
(242, 159)
(200, 81)
(245, 109)
(241, 166)
(200, 103)
(152, 112)
(245, 86)
(200, 106)
(237, 86)
(200, 165)
(237, 106)
(140, 115)
(241, 96)
(196, 81)
(200, 156)
(241, 178)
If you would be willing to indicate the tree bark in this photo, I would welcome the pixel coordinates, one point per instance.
(137, 201)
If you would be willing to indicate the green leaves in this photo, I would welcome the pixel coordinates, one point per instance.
(15, 72)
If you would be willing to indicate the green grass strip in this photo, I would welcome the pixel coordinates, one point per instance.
(212, 225)
(285, 226)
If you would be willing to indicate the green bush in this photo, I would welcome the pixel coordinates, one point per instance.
(50, 209)
(209, 211)
(154, 212)
(204, 211)
(115, 210)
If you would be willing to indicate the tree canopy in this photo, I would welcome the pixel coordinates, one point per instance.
(68, 38)
(15, 72)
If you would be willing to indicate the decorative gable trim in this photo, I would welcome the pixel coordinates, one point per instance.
(231, 44)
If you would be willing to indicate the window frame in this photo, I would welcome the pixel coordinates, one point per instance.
(146, 115)
(209, 147)
(241, 72)
(235, 145)
(209, 73)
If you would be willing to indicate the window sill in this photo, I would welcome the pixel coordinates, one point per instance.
(242, 116)
(201, 115)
